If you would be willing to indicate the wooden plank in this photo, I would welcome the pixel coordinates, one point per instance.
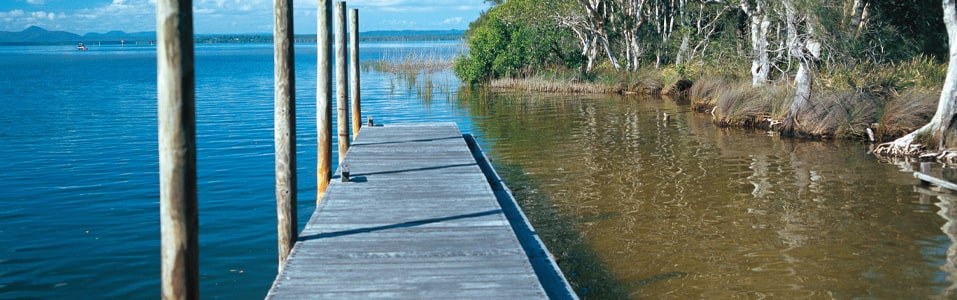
(542, 261)
(936, 181)
(418, 220)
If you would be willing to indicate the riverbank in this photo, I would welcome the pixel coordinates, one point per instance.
(866, 102)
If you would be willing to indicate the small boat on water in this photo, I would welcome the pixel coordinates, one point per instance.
(81, 47)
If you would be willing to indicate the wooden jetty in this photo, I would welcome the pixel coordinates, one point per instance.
(422, 215)
(927, 177)
(419, 218)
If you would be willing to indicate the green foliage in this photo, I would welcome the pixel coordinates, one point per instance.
(921, 72)
(514, 39)
(920, 22)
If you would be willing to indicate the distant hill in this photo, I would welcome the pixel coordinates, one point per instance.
(39, 36)
(36, 35)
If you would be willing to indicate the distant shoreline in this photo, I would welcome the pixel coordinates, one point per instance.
(35, 36)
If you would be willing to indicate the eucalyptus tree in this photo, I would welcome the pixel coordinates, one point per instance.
(759, 24)
(633, 19)
(803, 46)
(601, 14)
(942, 128)
(700, 23)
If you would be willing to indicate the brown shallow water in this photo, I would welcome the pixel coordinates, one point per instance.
(637, 206)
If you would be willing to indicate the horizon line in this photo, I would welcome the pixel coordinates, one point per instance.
(248, 33)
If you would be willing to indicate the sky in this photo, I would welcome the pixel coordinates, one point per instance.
(231, 16)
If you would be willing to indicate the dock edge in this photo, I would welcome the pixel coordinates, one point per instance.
(545, 266)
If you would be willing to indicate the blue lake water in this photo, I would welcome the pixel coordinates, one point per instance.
(79, 168)
(633, 205)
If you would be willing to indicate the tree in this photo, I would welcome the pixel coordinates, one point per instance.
(806, 49)
(514, 39)
(942, 128)
(759, 25)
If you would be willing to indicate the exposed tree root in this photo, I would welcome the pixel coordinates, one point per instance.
(902, 147)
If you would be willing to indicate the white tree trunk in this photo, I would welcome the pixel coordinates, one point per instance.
(596, 12)
(682, 50)
(759, 24)
(947, 106)
(592, 53)
(611, 55)
(942, 124)
(806, 50)
(587, 44)
(760, 63)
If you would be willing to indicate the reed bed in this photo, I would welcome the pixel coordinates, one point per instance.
(550, 86)
(411, 63)
(420, 73)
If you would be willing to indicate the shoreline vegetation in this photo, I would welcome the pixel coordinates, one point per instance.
(872, 103)
(850, 69)
(885, 103)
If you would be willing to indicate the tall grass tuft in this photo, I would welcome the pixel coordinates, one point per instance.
(838, 114)
(906, 112)
(740, 105)
(704, 91)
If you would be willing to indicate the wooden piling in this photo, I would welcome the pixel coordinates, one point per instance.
(925, 168)
(285, 128)
(354, 71)
(324, 98)
(175, 93)
(342, 83)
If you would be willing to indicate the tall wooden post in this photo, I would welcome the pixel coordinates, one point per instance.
(324, 98)
(284, 131)
(342, 81)
(354, 71)
(175, 93)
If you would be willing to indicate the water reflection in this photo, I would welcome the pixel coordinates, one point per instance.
(671, 207)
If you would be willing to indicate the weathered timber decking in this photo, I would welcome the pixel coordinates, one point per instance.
(420, 220)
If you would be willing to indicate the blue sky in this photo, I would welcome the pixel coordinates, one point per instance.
(231, 16)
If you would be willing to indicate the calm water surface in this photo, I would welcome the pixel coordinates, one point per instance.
(79, 167)
(632, 205)
(679, 209)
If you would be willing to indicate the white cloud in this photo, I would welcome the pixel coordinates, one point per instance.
(451, 21)
(42, 15)
(238, 16)
(12, 14)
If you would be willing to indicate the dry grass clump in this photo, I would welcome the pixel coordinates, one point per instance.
(905, 112)
(740, 105)
(650, 86)
(849, 114)
(551, 86)
(703, 93)
(679, 87)
(843, 114)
